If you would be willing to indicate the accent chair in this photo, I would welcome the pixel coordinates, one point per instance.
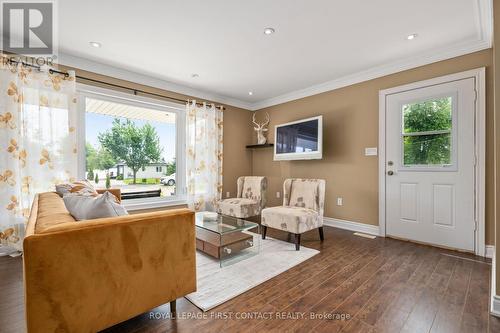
(302, 210)
(249, 201)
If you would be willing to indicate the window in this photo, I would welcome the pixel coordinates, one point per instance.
(133, 143)
(427, 136)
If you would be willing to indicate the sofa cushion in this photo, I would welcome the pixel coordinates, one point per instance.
(51, 211)
(292, 219)
(88, 207)
(238, 207)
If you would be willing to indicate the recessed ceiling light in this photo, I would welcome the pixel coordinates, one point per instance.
(411, 37)
(250, 93)
(194, 75)
(268, 31)
(95, 44)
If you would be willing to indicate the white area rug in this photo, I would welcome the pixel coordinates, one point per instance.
(218, 285)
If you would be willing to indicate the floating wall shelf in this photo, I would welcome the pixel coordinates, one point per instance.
(265, 145)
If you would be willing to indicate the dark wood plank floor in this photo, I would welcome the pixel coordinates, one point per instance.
(362, 285)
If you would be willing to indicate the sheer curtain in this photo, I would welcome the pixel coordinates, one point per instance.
(37, 143)
(203, 155)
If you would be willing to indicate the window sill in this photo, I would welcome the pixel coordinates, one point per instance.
(141, 204)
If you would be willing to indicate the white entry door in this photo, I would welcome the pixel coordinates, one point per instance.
(430, 164)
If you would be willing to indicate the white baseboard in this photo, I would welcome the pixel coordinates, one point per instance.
(353, 226)
(489, 249)
(495, 300)
(495, 305)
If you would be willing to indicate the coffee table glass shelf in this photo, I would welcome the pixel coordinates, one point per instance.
(226, 238)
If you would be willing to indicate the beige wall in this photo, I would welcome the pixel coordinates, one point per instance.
(237, 132)
(350, 117)
(350, 125)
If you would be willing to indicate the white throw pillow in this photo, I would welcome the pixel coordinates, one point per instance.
(88, 207)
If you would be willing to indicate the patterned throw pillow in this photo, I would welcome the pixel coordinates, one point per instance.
(88, 207)
(80, 187)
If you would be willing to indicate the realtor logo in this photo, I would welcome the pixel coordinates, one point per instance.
(28, 27)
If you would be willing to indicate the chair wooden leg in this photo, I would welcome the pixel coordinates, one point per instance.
(321, 236)
(264, 230)
(297, 242)
(289, 237)
(173, 307)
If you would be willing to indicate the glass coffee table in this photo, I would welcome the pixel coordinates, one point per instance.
(226, 238)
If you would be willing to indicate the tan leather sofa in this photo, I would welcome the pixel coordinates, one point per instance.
(89, 275)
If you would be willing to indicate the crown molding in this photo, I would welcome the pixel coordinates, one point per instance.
(124, 74)
(374, 73)
(484, 12)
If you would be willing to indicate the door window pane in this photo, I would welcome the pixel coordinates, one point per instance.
(427, 149)
(427, 132)
(431, 115)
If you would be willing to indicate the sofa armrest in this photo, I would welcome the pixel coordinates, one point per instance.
(88, 275)
(115, 191)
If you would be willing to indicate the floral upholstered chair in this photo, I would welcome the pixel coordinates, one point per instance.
(302, 210)
(249, 201)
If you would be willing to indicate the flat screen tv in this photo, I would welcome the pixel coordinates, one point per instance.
(299, 140)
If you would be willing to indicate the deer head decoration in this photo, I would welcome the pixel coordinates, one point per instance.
(260, 129)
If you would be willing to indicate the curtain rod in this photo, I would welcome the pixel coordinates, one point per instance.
(135, 91)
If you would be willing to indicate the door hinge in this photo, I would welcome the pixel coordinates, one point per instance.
(475, 225)
(475, 95)
(475, 160)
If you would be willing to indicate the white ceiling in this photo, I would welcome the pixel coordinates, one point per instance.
(318, 45)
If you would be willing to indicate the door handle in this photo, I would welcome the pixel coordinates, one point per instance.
(390, 173)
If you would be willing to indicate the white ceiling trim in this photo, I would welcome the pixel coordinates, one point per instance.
(123, 74)
(485, 20)
(373, 73)
(483, 11)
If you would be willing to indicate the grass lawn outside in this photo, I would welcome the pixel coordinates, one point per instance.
(150, 181)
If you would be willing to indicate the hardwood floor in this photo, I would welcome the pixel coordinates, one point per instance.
(380, 285)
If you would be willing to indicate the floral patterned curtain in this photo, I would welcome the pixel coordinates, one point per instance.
(203, 156)
(37, 143)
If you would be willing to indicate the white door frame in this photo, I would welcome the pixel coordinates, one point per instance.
(480, 139)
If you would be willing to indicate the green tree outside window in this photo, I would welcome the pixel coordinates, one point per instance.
(136, 146)
(421, 147)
